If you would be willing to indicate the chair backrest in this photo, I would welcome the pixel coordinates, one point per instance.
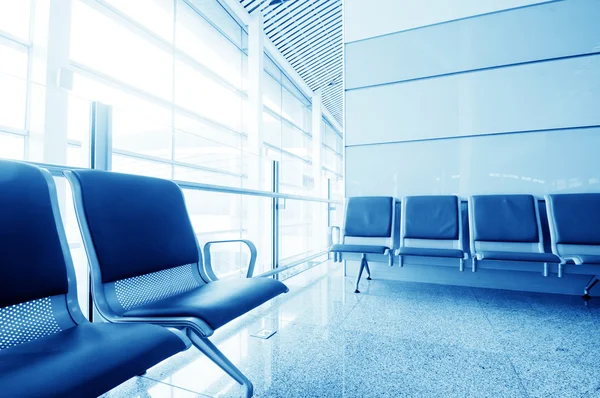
(574, 221)
(37, 280)
(431, 222)
(505, 223)
(138, 238)
(369, 217)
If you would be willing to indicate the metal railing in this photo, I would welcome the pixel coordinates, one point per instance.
(101, 159)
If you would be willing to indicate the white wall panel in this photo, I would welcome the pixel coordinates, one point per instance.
(368, 18)
(564, 93)
(537, 163)
(550, 30)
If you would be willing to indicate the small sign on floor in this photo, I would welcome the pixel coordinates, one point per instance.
(264, 333)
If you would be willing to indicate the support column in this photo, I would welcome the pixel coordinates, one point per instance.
(256, 174)
(320, 227)
(259, 173)
(317, 135)
(57, 76)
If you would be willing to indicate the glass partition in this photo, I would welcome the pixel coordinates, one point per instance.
(173, 74)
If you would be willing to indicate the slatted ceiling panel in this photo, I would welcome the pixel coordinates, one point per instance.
(308, 33)
(333, 99)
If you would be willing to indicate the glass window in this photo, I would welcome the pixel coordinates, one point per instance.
(13, 82)
(134, 165)
(129, 66)
(12, 146)
(134, 133)
(14, 17)
(214, 12)
(13, 59)
(210, 131)
(193, 149)
(203, 42)
(13, 101)
(271, 93)
(207, 97)
(104, 45)
(137, 125)
(76, 157)
(295, 141)
(293, 109)
(296, 175)
(272, 129)
(272, 68)
(155, 15)
(206, 177)
(294, 90)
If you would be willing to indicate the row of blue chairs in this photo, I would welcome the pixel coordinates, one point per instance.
(505, 228)
(153, 291)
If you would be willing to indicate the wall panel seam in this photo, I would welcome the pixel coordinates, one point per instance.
(549, 130)
(454, 20)
(484, 69)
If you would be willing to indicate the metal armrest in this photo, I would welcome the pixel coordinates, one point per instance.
(208, 263)
(336, 256)
(571, 258)
(338, 235)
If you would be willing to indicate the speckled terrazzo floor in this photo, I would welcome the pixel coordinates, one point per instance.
(396, 339)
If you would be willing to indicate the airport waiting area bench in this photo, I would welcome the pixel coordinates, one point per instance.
(502, 229)
(149, 284)
(47, 346)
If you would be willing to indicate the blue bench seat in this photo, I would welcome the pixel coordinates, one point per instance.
(431, 227)
(508, 228)
(575, 230)
(430, 252)
(47, 346)
(83, 361)
(519, 256)
(216, 303)
(367, 218)
(367, 249)
(147, 265)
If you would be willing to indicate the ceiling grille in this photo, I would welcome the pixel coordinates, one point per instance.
(308, 33)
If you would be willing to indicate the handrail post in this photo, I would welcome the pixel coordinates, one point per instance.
(101, 136)
(100, 159)
(275, 218)
(329, 217)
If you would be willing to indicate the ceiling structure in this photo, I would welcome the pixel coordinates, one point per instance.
(308, 33)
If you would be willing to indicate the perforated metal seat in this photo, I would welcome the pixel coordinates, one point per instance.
(216, 303)
(47, 347)
(147, 266)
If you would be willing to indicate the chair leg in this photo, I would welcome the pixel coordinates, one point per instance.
(560, 270)
(213, 353)
(590, 285)
(368, 270)
(363, 263)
